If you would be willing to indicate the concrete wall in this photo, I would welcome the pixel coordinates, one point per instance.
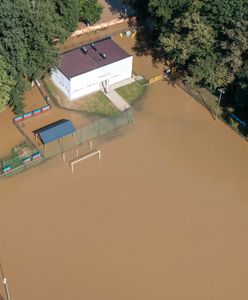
(90, 82)
(62, 82)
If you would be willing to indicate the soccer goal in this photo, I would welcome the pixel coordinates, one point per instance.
(83, 157)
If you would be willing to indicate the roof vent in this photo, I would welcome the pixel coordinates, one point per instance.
(93, 46)
(84, 50)
(103, 55)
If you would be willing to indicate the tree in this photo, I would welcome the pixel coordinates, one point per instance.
(220, 13)
(69, 13)
(17, 94)
(43, 26)
(27, 33)
(164, 11)
(6, 83)
(139, 6)
(234, 45)
(190, 45)
(239, 89)
(191, 38)
(207, 40)
(12, 37)
(89, 11)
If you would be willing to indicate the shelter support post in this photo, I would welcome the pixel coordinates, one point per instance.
(90, 145)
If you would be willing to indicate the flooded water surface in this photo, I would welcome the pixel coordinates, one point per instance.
(163, 214)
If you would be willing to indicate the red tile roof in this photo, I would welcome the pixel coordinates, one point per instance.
(76, 62)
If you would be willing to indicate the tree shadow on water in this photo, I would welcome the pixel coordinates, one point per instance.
(119, 6)
(236, 117)
(144, 44)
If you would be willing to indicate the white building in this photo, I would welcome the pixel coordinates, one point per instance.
(90, 67)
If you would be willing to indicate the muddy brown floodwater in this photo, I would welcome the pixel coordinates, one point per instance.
(13, 138)
(142, 64)
(10, 136)
(163, 215)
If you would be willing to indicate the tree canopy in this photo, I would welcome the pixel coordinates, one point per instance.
(6, 83)
(89, 11)
(28, 29)
(206, 40)
(69, 13)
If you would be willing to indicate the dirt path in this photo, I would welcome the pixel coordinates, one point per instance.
(162, 216)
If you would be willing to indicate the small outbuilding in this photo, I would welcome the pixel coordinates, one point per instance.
(54, 131)
(92, 67)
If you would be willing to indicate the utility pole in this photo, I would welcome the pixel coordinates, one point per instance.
(125, 12)
(5, 283)
(6, 288)
(222, 91)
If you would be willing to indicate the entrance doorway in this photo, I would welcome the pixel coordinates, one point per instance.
(105, 85)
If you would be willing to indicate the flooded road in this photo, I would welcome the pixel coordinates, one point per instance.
(163, 215)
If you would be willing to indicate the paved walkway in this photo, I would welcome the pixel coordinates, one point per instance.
(122, 83)
(115, 98)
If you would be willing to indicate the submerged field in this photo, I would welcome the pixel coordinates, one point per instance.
(163, 215)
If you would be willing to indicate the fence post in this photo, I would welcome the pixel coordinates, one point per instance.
(129, 118)
(114, 121)
(98, 128)
(80, 136)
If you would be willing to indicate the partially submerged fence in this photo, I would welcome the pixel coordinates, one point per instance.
(229, 118)
(82, 135)
(17, 164)
(156, 78)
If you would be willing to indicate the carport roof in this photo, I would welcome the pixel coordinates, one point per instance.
(75, 62)
(55, 130)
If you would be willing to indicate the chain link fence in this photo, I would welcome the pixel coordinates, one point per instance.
(20, 161)
(210, 102)
(87, 133)
(17, 163)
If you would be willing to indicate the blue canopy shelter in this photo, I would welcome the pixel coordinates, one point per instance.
(55, 131)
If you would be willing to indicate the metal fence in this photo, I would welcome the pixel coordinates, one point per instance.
(82, 135)
(16, 164)
(230, 119)
(87, 133)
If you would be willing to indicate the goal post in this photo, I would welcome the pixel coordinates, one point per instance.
(83, 157)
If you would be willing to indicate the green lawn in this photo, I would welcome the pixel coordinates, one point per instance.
(131, 92)
(96, 103)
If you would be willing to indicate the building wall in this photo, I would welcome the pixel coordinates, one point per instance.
(90, 82)
(62, 82)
